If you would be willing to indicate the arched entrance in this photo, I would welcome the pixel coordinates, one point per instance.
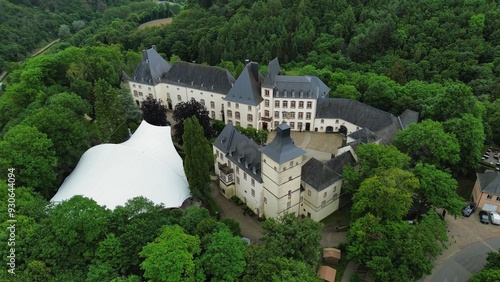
(329, 129)
(169, 104)
(343, 130)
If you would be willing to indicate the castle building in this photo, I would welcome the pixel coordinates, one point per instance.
(273, 179)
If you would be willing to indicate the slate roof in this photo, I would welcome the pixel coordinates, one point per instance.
(202, 77)
(282, 148)
(273, 70)
(489, 182)
(299, 87)
(321, 175)
(364, 135)
(246, 89)
(408, 117)
(354, 112)
(240, 150)
(151, 68)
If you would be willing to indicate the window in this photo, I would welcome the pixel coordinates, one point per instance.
(299, 125)
(237, 180)
(134, 85)
(301, 93)
(249, 117)
(245, 175)
(266, 113)
(266, 93)
(140, 86)
(285, 93)
(292, 115)
(293, 93)
(289, 194)
(212, 105)
(238, 123)
(285, 104)
(179, 98)
(202, 102)
(489, 197)
(309, 105)
(292, 104)
(253, 192)
(221, 156)
(253, 184)
(498, 198)
(290, 178)
(237, 105)
(140, 94)
(276, 123)
(308, 192)
(237, 115)
(288, 205)
(277, 114)
(213, 115)
(149, 88)
(285, 115)
(265, 200)
(229, 104)
(292, 125)
(229, 113)
(336, 121)
(237, 170)
(308, 115)
(249, 108)
(323, 203)
(291, 163)
(301, 104)
(322, 121)
(266, 103)
(324, 195)
(301, 115)
(277, 104)
(135, 93)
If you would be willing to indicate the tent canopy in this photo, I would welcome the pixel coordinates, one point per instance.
(145, 165)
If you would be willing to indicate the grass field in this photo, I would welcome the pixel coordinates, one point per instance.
(156, 23)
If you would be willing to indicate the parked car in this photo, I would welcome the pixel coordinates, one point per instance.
(468, 210)
(495, 218)
(483, 217)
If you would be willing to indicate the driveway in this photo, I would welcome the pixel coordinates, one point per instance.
(469, 243)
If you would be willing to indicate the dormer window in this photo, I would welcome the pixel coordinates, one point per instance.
(223, 139)
(285, 93)
(293, 93)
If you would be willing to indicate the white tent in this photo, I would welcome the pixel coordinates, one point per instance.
(145, 165)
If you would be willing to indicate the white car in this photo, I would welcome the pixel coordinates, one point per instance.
(495, 218)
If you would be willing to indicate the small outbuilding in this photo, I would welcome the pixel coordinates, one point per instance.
(327, 273)
(331, 255)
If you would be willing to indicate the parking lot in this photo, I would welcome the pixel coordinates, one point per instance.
(492, 157)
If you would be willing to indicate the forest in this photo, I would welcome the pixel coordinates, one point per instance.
(440, 58)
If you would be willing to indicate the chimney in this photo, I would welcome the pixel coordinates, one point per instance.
(254, 68)
(247, 61)
(153, 46)
(144, 54)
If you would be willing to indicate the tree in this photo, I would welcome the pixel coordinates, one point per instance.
(67, 239)
(154, 112)
(456, 100)
(191, 217)
(171, 257)
(31, 154)
(185, 110)
(386, 195)
(396, 250)
(108, 260)
(293, 237)
(199, 159)
(64, 31)
(373, 158)
(224, 259)
(427, 142)
(470, 136)
(437, 189)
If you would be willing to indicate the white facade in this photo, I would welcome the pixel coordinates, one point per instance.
(320, 204)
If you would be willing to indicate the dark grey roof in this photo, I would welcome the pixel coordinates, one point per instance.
(273, 70)
(317, 175)
(299, 87)
(355, 112)
(489, 182)
(364, 135)
(408, 117)
(282, 148)
(246, 89)
(151, 68)
(241, 150)
(202, 77)
(321, 175)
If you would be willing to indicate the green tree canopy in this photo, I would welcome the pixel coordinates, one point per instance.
(427, 142)
(171, 257)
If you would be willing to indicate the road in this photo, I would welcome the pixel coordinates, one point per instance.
(464, 263)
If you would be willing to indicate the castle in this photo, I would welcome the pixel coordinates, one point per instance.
(273, 179)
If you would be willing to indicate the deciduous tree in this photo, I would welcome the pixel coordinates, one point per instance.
(185, 110)
(154, 112)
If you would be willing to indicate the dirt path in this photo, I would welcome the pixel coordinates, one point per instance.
(46, 47)
(155, 23)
